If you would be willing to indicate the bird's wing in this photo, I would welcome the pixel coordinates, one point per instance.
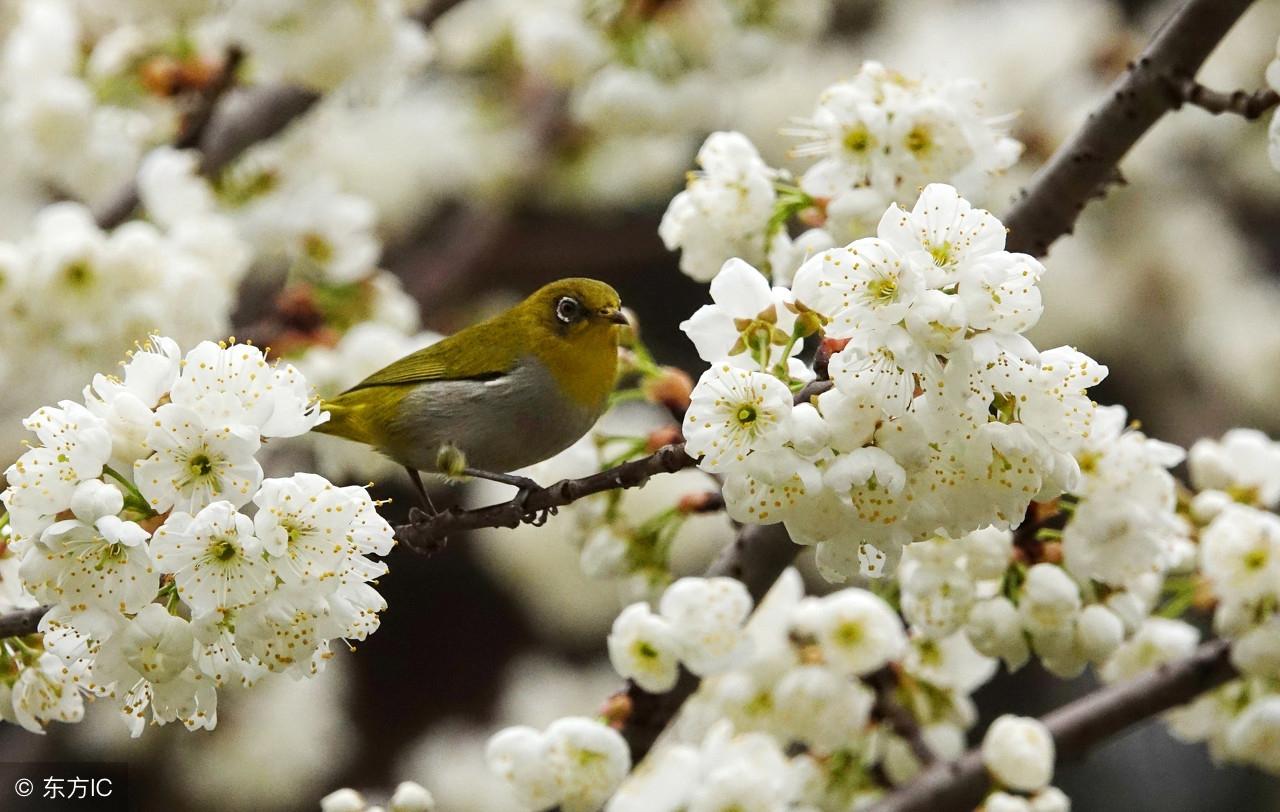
(459, 357)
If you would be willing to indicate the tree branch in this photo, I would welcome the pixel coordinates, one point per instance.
(191, 132)
(900, 720)
(1087, 162)
(22, 622)
(428, 534)
(1076, 727)
(261, 114)
(1242, 103)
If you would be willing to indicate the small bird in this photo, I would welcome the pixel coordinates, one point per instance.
(497, 396)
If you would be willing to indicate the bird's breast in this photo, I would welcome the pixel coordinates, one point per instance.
(500, 424)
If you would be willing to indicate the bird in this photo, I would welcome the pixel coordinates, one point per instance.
(495, 397)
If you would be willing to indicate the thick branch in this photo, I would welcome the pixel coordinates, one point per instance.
(958, 786)
(1087, 162)
(22, 622)
(1239, 102)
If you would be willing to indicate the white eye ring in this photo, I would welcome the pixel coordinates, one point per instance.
(568, 309)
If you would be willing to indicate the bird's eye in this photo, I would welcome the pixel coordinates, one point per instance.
(568, 310)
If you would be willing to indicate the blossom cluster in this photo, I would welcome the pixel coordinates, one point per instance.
(88, 92)
(171, 564)
(879, 137)
(1077, 579)
(943, 417)
(698, 625)
(1238, 478)
(575, 764)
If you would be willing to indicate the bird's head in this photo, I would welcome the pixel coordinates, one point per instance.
(576, 311)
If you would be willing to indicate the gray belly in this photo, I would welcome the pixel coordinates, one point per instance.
(499, 425)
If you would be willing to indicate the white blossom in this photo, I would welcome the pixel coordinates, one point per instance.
(733, 414)
(725, 210)
(216, 561)
(643, 647)
(855, 630)
(1240, 553)
(1158, 641)
(152, 665)
(706, 617)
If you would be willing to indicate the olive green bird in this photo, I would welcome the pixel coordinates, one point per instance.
(497, 396)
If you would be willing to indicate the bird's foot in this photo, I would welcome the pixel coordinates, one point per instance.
(419, 518)
(526, 488)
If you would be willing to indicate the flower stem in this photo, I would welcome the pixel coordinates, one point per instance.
(133, 497)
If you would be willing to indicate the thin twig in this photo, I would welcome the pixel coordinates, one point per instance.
(191, 132)
(428, 534)
(1086, 162)
(433, 10)
(1242, 103)
(22, 622)
(958, 786)
(899, 718)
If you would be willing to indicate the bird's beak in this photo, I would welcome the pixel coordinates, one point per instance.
(615, 315)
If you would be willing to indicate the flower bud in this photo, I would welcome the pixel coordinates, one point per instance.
(669, 389)
(1018, 751)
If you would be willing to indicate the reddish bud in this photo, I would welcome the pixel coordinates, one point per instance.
(704, 502)
(1051, 552)
(616, 710)
(299, 309)
(667, 435)
(827, 348)
(161, 75)
(670, 389)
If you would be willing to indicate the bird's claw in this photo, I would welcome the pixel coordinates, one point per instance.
(419, 518)
(537, 518)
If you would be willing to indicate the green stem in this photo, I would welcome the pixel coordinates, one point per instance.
(780, 369)
(625, 395)
(133, 497)
(636, 446)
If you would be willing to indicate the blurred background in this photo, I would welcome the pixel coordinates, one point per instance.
(495, 154)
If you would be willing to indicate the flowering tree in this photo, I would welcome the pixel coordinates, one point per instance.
(869, 406)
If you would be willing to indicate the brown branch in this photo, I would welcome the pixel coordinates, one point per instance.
(899, 718)
(1086, 162)
(262, 113)
(1076, 727)
(1239, 102)
(22, 622)
(192, 130)
(433, 10)
(428, 534)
